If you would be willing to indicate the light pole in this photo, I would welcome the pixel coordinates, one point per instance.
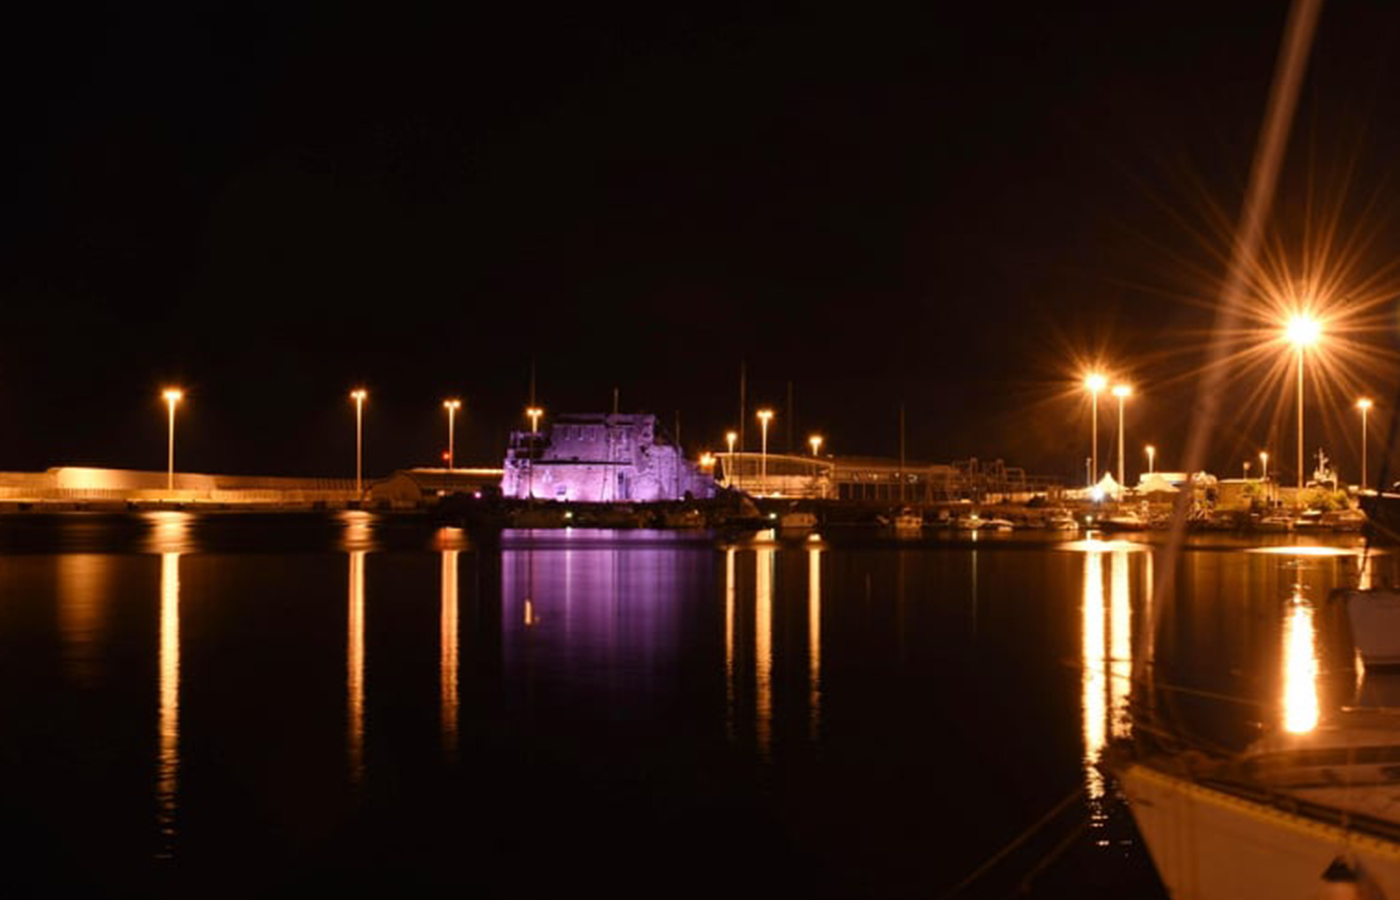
(731, 473)
(359, 395)
(534, 412)
(816, 442)
(172, 396)
(1263, 465)
(1302, 332)
(1122, 392)
(1151, 459)
(764, 416)
(1364, 404)
(1095, 383)
(451, 406)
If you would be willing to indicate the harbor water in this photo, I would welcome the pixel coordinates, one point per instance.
(231, 704)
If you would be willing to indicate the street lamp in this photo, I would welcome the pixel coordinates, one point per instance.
(764, 416)
(1122, 392)
(816, 442)
(1151, 459)
(731, 473)
(1095, 383)
(1364, 404)
(534, 412)
(451, 406)
(1263, 465)
(1302, 332)
(172, 396)
(359, 395)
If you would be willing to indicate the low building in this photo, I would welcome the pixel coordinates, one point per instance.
(409, 488)
(600, 458)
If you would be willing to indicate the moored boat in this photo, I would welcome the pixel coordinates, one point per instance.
(1374, 616)
(1293, 816)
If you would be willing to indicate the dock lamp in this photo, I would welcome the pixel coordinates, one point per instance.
(764, 417)
(359, 395)
(1151, 459)
(1263, 465)
(731, 473)
(172, 397)
(816, 442)
(1094, 382)
(451, 406)
(1302, 331)
(1364, 404)
(1122, 392)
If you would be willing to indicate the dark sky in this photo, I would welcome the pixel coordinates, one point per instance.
(934, 204)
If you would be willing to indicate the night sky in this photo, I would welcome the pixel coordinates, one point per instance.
(947, 206)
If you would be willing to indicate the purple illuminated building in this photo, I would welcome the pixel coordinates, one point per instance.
(600, 458)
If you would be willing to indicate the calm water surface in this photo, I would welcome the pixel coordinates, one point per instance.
(228, 703)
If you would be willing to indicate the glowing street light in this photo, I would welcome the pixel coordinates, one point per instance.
(1095, 383)
(764, 416)
(1302, 332)
(1151, 459)
(172, 396)
(731, 473)
(707, 461)
(451, 406)
(1122, 392)
(1364, 404)
(816, 442)
(534, 412)
(1263, 465)
(359, 395)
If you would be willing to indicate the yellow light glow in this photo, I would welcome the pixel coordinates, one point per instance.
(1303, 330)
(764, 563)
(1300, 700)
(173, 395)
(816, 442)
(1095, 382)
(707, 460)
(355, 669)
(764, 415)
(1122, 390)
(449, 659)
(453, 405)
(1364, 403)
(1094, 677)
(359, 395)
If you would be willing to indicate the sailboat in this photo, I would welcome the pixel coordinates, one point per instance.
(1292, 816)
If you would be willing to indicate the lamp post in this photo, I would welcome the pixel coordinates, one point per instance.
(359, 395)
(731, 473)
(1364, 404)
(451, 406)
(172, 396)
(816, 442)
(1302, 332)
(1151, 459)
(764, 416)
(1263, 465)
(534, 413)
(1122, 392)
(1095, 383)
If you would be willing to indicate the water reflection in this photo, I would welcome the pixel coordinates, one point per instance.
(730, 588)
(168, 727)
(1107, 648)
(169, 531)
(1120, 646)
(82, 590)
(355, 669)
(1300, 668)
(448, 652)
(1093, 676)
(814, 641)
(764, 561)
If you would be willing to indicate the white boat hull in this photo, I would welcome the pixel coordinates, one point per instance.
(1208, 844)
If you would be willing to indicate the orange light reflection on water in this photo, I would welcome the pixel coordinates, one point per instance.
(1300, 667)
